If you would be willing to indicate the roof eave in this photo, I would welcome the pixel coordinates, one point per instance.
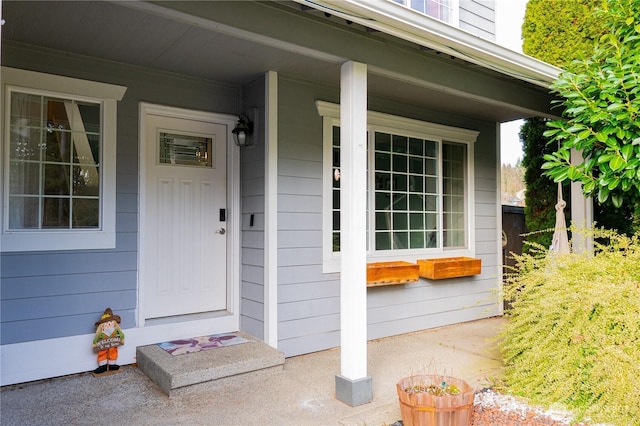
(399, 21)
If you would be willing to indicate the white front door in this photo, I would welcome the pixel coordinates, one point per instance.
(184, 238)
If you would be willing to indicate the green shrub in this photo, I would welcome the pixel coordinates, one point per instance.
(573, 335)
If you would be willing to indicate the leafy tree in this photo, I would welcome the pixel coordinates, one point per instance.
(601, 107)
(558, 32)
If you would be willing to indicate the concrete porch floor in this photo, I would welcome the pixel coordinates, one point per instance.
(302, 393)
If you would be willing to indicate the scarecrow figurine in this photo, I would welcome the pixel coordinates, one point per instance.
(108, 337)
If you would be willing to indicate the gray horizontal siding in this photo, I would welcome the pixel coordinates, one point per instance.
(63, 285)
(57, 294)
(478, 17)
(308, 300)
(252, 186)
(62, 326)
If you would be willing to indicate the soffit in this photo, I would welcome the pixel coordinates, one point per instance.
(117, 32)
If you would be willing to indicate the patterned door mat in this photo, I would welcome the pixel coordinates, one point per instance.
(197, 344)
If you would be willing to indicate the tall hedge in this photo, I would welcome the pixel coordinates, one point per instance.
(559, 31)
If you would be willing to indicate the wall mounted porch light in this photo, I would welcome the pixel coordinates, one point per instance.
(243, 131)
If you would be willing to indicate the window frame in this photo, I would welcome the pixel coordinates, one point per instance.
(403, 126)
(107, 95)
(453, 9)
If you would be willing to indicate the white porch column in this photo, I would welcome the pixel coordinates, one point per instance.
(353, 386)
(581, 211)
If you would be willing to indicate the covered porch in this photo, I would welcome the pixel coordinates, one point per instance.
(273, 61)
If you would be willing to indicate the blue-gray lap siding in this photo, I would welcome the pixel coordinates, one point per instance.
(47, 295)
(252, 190)
(308, 299)
(478, 17)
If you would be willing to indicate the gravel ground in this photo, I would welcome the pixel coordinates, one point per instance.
(494, 409)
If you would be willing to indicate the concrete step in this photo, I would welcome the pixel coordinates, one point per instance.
(171, 372)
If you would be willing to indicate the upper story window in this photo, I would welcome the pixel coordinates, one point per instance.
(59, 162)
(444, 10)
(419, 191)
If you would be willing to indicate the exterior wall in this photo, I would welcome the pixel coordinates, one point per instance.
(252, 188)
(479, 18)
(308, 300)
(46, 295)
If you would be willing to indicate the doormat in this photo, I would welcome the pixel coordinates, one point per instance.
(197, 344)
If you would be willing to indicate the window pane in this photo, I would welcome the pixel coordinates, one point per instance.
(336, 241)
(454, 208)
(400, 221)
(431, 185)
(86, 181)
(431, 167)
(383, 221)
(400, 182)
(56, 111)
(383, 241)
(383, 142)
(25, 143)
(400, 163)
(383, 181)
(55, 213)
(417, 240)
(24, 178)
(400, 144)
(90, 116)
(336, 157)
(56, 179)
(184, 150)
(430, 203)
(383, 201)
(86, 213)
(415, 165)
(336, 221)
(26, 110)
(431, 239)
(431, 221)
(400, 240)
(55, 145)
(416, 147)
(86, 148)
(336, 199)
(399, 201)
(418, 5)
(416, 221)
(415, 184)
(23, 212)
(383, 161)
(431, 149)
(416, 202)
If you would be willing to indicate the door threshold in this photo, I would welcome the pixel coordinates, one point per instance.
(150, 322)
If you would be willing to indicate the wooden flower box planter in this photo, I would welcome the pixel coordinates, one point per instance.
(449, 267)
(389, 273)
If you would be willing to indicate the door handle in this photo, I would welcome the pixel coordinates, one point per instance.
(221, 231)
